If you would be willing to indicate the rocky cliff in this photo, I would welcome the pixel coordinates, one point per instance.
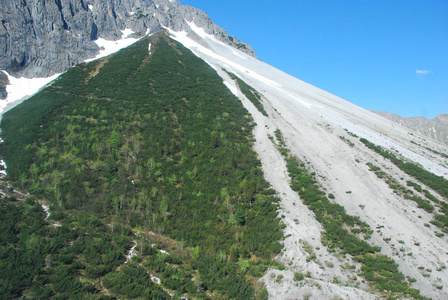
(3, 83)
(436, 128)
(39, 38)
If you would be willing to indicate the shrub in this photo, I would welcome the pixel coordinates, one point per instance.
(298, 276)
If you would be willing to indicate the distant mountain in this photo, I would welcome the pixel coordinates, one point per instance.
(436, 128)
(181, 166)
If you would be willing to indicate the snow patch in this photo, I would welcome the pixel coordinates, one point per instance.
(231, 87)
(155, 279)
(90, 6)
(149, 48)
(109, 47)
(131, 253)
(303, 102)
(200, 31)
(2, 167)
(22, 88)
(206, 53)
(127, 32)
(46, 209)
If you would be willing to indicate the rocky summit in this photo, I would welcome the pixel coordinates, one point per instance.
(39, 38)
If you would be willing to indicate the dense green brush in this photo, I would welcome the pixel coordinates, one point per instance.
(157, 142)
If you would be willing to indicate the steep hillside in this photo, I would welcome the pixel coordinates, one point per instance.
(150, 141)
(326, 134)
(175, 146)
(436, 128)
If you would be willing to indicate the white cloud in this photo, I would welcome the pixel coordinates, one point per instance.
(422, 72)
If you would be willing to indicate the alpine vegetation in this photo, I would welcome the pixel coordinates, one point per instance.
(153, 144)
(182, 167)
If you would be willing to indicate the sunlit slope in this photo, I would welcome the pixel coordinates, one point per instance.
(152, 139)
(325, 132)
(312, 103)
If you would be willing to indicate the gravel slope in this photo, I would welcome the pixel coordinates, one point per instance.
(312, 122)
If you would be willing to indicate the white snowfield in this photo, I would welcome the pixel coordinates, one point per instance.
(313, 123)
(108, 47)
(20, 89)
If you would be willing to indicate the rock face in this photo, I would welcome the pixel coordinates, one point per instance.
(436, 128)
(39, 38)
(3, 82)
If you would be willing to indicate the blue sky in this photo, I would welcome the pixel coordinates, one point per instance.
(381, 55)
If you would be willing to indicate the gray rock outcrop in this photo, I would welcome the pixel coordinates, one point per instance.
(39, 38)
(3, 82)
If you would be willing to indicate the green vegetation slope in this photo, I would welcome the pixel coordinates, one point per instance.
(151, 142)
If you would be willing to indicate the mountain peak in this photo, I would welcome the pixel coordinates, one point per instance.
(41, 38)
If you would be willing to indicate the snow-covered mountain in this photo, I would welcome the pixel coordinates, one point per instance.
(322, 130)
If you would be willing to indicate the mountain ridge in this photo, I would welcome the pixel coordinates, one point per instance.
(40, 38)
(436, 128)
